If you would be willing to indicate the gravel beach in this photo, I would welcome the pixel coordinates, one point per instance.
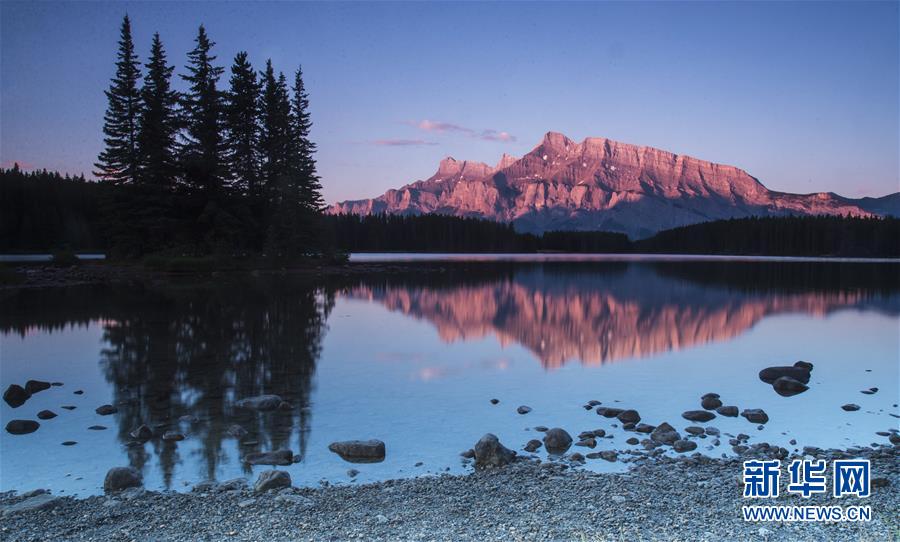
(691, 498)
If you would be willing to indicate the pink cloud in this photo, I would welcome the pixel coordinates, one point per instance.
(494, 135)
(402, 142)
(488, 134)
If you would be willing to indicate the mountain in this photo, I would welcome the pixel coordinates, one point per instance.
(601, 184)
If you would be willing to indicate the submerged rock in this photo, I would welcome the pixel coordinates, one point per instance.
(731, 411)
(771, 374)
(557, 440)
(119, 478)
(22, 427)
(272, 479)
(15, 395)
(275, 457)
(490, 453)
(261, 403)
(755, 415)
(359, 451)
(698, 415)
(787, 386)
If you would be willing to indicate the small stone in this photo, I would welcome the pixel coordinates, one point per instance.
(729, 411)
(609, 455)
(352, 473)
(260, 403)
(755, 415)
(236, 431)
(69, 407)
(69, 443)
(632, 441)
(629, 416)
(850, 407)
(359, 451)
(710, 401)
(46, 415)
(381, 519)
(682, 446)
(695, 430)
(97, 427)
(532, 445)
(523, 409)
(272, 479)
(106, 410)
(495, 401)
(698, 415)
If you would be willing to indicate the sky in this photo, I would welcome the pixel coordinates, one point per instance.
(804, 96)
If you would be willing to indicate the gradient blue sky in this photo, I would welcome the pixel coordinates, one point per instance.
(804, 96)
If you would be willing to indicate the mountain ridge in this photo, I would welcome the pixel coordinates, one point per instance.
(603, 184)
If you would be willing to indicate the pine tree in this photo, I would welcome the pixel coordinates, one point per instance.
(159, 121)
(242, 127)
(304, 162)
(120, 159)
(202, 152)
(275, 129)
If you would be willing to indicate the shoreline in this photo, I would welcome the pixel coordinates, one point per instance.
(685, 498)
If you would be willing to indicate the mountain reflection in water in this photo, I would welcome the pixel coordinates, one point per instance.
(178, 356)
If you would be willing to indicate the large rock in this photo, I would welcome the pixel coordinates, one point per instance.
(730, 411)
(272, 479)
(770, 374)
(664, 434)
(119, 478)
(22, 427)
(698, 415)
(629, 416)
(15, 395)
(490, 453)
(359, 451)
(787, 386)
(261, 403)
(557, 440)
(755, 415)
(34, 386)
(275, 457)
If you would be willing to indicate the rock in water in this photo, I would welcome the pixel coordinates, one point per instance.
(664, 434)
(532, 445)
(710, 401)
(804, 365)
(495, 401)
(490, 453)
(850, 407)
(682, 446)
(755, 415)
(46, 415)
(698, 415)
(261, 403)
(106, 410)
(276, 457)
(629, 416)
(786, 386)
(608, 412)
(730, 411)
(22, 427)
(771, 374)
(272, 479)
(557, 440)
(142, 433)
(15, 395)
(119, 478)
(359, 451)
(34, 386)
(523, 409)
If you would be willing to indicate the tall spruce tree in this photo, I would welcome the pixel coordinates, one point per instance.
(242, 134)
(120, 159)
(159, 121)
(303, 148)
(275, 130)
(202, 152)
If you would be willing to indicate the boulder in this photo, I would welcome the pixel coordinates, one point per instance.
(523, 409)
(15, 395)
(786, 386)
(629, 416)
(557, 440)
(490, 453)
(22, 427)
(755, 415)
(532, 445)
(272, 479)
(106, 410)
(34, 386)
(682, 446)
(275, 457)
(771, 374)
(359, 451)
(731, 411)
(46, 415)
(664, 434)
(120, 478)
(698, 415)
(260, 403)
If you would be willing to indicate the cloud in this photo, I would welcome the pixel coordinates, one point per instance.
(434, 126)
(402, 142)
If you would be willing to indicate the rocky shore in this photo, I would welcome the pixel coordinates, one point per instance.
(686, 498)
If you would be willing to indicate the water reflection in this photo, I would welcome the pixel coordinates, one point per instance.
(178, 356)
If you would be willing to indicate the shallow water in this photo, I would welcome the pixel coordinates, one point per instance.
(412, 356)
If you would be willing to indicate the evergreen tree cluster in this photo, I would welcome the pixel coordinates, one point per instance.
(211, 169)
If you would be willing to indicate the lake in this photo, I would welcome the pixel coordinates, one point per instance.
(412, 353)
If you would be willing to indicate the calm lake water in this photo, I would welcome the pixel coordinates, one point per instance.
(413, 355)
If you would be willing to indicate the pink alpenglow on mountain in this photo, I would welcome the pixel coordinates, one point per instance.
(601, 184)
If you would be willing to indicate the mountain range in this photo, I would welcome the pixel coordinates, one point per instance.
(601, 184)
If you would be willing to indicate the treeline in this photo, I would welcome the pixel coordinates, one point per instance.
(782, 236)
(207, 170)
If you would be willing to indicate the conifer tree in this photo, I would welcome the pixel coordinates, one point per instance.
(159, 121)
(120, 159)
(304, 161)
(242, 134)
(275, 129)
(202, 152)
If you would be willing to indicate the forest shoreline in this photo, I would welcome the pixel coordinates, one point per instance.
(686, 498)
